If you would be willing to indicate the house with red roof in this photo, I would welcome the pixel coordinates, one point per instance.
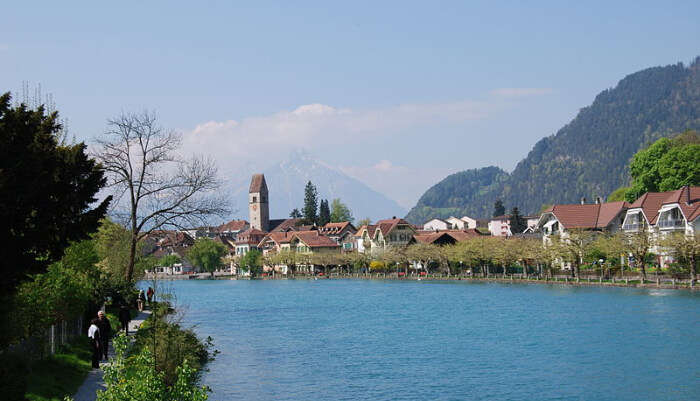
(343, 233)
(383, 234)
(557, 219)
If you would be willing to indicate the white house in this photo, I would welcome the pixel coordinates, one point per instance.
(468, 222)
(499, 226)
(436, 225)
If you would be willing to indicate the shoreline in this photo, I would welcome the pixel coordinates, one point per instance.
(627, 282)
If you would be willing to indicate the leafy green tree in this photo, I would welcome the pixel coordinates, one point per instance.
(169, 260)
(310, 203)
(47, 192)
(666, 165)
(340, 212)
(252, 261)
(206, 254)
(618, 194)
(518, 224)
(684, 248)
(135, 377)
(364, 222)
(295, 214)
(498, 208)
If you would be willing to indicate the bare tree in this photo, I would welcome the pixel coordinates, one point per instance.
(155, 188)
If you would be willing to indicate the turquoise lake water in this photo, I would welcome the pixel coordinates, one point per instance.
(407, 340)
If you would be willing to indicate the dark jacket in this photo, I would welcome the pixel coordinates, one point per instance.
(124, 315)
(105, 328)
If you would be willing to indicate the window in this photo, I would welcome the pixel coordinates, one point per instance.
(347, 245)
(255, 199)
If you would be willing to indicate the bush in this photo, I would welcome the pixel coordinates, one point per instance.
(170, 345)
(134, 378)
(13, 375)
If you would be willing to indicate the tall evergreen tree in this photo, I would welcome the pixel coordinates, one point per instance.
(498, 208)
(295, 214)
(324, 213)
(310, 203)
(517, 221)
(47, 192)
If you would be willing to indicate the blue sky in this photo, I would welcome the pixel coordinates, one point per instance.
(397, 94)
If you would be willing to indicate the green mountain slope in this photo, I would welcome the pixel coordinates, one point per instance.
(585, 158)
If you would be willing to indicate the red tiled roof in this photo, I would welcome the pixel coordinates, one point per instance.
(258, 184)
(251, 236)
(370, 230)
(233, 225)
(650, 203)
(279, 237)
(389, 224)
(587, 215)
(688, 198)
(428, 237)
(335, 228)
(284, 224)
(313, 239)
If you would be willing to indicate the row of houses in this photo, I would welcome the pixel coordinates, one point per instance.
(656, 213)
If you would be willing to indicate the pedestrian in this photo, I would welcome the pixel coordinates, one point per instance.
(124, 318)
(150, 293)
(94, 335)
(141, 299)
(105, 333)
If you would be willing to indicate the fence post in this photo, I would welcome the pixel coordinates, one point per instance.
(53, 339)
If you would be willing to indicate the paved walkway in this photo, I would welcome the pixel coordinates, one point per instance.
(93, 381)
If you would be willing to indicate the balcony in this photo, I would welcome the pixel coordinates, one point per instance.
(672, 223)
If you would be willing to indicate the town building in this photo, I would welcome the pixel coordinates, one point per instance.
(386, 233)
(258, 205)
(499, 226)
(607, 217)
(342, 233)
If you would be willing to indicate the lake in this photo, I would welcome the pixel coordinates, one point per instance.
(432, 340)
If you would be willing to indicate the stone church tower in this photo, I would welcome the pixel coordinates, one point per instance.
(258, 205)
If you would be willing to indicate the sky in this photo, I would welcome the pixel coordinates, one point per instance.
(396, 94)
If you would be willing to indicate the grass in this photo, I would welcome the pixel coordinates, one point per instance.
(61, 374)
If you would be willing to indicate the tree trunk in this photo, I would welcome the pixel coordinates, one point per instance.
(643, 268)
(692, 271)
(132, 259)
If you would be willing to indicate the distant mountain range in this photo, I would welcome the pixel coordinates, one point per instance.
(586, 158)
(286, 182)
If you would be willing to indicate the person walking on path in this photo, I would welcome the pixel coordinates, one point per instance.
(94, 335)
(150, 293)
(124, 318)
(141, 300)
(105, 333)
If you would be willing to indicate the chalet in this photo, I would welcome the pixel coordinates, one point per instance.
(342, 233)
(386, 233)
(680, 212)
(596, 217)
(248, 240)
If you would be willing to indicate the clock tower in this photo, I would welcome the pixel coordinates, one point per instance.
(258, 205)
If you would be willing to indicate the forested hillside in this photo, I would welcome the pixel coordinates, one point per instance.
(585, 158)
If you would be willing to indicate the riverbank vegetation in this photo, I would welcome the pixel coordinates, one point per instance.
(62, 259)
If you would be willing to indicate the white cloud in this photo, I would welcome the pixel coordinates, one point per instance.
(315, 125)
(521, 92)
